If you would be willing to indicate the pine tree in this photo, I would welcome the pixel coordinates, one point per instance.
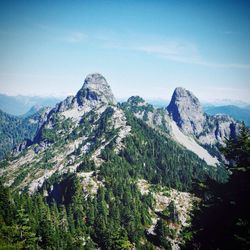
(162, 231)
(224, 220)
(27, 237)
(47, 230)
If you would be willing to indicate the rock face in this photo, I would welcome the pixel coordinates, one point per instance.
(95, 88)
(185, 109)
(23, 145)
(154, 118)
(160, 120)
(218, 128)
(94, 91)
(94, 94)
(66, 104)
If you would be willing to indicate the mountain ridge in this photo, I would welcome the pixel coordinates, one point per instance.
(184, 108)
(209, 131)
(92, 148)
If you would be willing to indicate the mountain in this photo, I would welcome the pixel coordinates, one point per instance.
(226, 102)
(14, 130)
(160, 120)
(185, 109)
(238, 113)
(34, 109)
(98, 174)
(209, 131)
(20, 105)
(87, 123)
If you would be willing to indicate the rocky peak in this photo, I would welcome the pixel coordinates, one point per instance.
(66, 104)
(94, 94)
(186, 111)
(96, 89)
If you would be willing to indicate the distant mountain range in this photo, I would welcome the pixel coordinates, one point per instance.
(21, 105)
(238, 113)
(29, 105)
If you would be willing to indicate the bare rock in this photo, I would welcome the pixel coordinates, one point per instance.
(185, 109)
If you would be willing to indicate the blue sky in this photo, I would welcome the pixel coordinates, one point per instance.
(144, 48)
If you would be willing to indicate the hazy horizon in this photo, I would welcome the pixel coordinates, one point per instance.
(160, 102)
(145, 48)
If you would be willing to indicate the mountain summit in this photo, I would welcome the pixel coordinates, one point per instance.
(186, 111)
(95, 88)
(94, 92)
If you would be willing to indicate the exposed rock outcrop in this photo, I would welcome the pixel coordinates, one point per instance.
(95, 88)
(83, 124)
(185, 109)
(218, 128)
(160, 120)
(94, 91)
